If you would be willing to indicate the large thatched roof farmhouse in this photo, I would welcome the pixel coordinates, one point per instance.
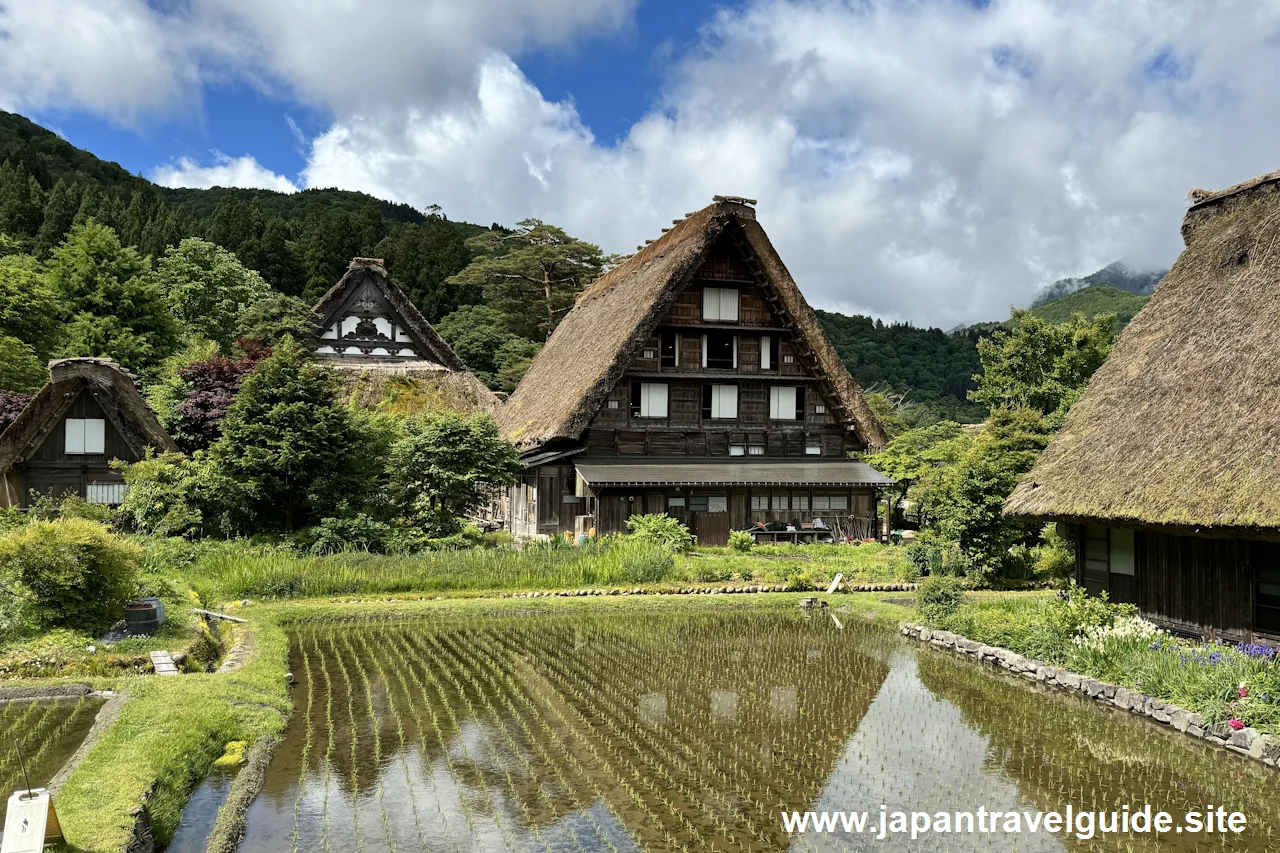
(379, 341)
(1168, 467)
(694, 380)
(64, 440)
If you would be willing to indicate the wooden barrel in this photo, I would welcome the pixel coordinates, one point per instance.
(141, 617)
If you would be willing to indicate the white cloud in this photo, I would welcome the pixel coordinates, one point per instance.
(925, 160)
(225, 172)
(117, 58)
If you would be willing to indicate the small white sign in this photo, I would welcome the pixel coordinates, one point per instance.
(835, 583)
(30, 822)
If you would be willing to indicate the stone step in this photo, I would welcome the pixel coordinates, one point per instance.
(163, 663)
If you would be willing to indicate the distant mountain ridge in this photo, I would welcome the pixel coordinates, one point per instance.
(1118, 275)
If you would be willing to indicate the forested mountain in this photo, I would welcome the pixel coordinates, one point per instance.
(1117, 275)
(1092, 301)
(301, 243)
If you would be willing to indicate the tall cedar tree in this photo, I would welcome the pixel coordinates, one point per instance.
(289, 454)
(59, 214)
(209, 289)
(110, 300)
(21, 201)
(537, 264)
(422, 257)
(443, 466)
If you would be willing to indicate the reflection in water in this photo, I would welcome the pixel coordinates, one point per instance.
(691, 732)
(47, 732)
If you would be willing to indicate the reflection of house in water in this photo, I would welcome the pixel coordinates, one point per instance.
(689, 733)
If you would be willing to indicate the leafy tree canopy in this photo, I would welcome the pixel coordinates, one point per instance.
(28, 306)
(208, 289)
(443, 464)
(20, 370)
(1037, 365)
(289, 454)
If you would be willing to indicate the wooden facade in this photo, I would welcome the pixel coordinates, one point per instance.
(65, 440)
(1192, 585)
(722, 378)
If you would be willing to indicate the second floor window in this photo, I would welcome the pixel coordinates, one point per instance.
(648, 399)
(670, 348)
(720, 304)
(768, 352)
(720, 350)
(786, 403)
(719, 402)
(86, 435)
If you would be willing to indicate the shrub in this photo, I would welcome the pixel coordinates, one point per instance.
(939, 597)
(741, 541)
(70, 573)
(74, 506)
(661, 530)
(642, 561)
(1055, 557)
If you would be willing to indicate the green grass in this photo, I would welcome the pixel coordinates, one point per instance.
(257, 574)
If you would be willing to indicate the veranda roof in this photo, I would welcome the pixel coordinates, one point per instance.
(667, 472)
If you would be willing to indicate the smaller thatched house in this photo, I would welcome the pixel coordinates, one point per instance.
(693, 380)
(1167, 470)
(382, 345)
(64, 441)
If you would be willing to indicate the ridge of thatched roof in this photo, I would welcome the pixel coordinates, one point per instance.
(591, 348)
(431, 388)
(1180, 428)
(374, 271)
(114, 391)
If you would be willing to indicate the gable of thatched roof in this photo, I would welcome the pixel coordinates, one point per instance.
(591, 348)
(112, 388)
(373, 273)
(1181, 426)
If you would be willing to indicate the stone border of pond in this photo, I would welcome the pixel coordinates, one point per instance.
(1247, 741)
(705, 590)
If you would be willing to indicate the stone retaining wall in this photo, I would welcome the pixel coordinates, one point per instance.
(1247, 741)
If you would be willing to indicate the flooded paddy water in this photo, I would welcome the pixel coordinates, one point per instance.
(696, 731)
(47, 732)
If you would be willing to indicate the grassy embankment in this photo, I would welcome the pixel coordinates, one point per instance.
(1221, 681)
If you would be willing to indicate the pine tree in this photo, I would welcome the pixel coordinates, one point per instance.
(278, 260)
(59, 214)
(21, 201)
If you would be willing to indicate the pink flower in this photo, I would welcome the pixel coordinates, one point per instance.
(1235, 724)
(1243, 692)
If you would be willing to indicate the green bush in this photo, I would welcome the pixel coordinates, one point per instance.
(642, 561)
(69, 573)
(1055, 557)
(661, 530)
(939, 597)
(741, 541)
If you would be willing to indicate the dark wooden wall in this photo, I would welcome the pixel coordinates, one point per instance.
(1190, 584)
(50, 470)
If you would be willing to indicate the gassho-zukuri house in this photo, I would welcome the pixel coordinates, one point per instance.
(63, 442)
(376, 338)
(1167, 470)
(692, 380)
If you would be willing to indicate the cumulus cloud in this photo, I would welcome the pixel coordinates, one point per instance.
(129, 59)
(932, 161)
(225, 172)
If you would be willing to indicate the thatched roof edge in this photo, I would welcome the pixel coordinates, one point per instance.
(116, 394)
(591, 348)
(1179, 430)
(374, 270)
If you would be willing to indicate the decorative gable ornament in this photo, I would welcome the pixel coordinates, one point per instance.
(366, 319)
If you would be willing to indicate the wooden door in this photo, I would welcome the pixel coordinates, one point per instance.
(711, 528)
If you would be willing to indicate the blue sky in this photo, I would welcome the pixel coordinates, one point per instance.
(925, 160)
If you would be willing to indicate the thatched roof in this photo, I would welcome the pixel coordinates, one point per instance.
(373, 271)
(1181, 427)
(591, 348)
(113, 389)
(415, 388)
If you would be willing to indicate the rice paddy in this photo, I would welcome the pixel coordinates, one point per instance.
(46, 732)
(696, 731)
